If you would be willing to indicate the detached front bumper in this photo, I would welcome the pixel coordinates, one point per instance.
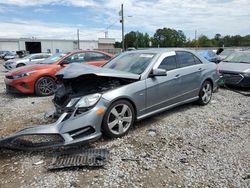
(69, 129)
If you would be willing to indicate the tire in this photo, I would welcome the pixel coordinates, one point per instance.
(20, 65)
(45, 86)
(205, 93)
(118, 119)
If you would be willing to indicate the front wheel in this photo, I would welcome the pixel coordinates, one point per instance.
(45, 86)
(118, 119)
(205, 94)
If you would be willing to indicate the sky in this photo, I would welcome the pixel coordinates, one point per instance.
(60, 19)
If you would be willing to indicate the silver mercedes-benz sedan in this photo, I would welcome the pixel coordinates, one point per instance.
(91, 101)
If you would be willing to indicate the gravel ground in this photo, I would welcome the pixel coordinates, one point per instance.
(189, 146)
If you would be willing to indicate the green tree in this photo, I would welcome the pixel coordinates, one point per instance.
(167, 37)
(137, 39)
(204, 41)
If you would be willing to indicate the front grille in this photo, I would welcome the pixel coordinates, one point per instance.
(232, 78)
(32, 142)
(9, 77)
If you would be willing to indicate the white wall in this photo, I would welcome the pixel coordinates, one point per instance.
(62, 46)
(88, 45)
(10, 46)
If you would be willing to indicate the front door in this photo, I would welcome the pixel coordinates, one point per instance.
(163, 90)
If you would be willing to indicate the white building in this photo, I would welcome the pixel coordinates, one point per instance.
(34, 45)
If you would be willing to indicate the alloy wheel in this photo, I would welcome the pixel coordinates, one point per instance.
(46, 86)
(119, 119)
(206, 92)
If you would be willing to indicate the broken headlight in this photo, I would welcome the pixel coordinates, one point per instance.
(88, 100)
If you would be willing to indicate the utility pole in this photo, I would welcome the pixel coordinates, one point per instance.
(196, 39)
(122, 20)
(78, 40)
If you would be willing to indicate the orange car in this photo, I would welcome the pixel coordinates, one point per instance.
(40, 79)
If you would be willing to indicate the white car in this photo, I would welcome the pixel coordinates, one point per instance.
(27, 60)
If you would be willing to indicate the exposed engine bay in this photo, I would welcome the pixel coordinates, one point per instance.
(84, 85)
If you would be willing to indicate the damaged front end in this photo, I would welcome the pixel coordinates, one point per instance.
(79, 107)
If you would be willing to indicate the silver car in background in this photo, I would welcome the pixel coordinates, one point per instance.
(91, 101)
(27, 60)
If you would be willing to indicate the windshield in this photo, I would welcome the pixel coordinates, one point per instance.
(226, 52)
(53, 58)
(27, 57)
(239, 57)
(131, 62)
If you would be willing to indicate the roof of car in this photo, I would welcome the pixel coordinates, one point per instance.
(160, 50)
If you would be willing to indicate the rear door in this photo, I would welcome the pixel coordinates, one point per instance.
(96, 58)
(191, 69)
(162, 91)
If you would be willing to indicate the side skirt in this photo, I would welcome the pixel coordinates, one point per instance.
(167, 107)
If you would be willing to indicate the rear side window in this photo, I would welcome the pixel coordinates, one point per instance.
(185, 59)
(94, 56)
(168, 63)
(197, 60)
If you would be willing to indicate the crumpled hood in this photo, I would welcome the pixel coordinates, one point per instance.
(75, 70)
(233, 67)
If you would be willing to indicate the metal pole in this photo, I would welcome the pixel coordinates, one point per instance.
(196, 39)
(78, 40)
(123, 46)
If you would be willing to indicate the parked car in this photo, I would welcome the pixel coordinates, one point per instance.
(209, 55)
(40, 78)
(22, 53)
(132, 86)
(225, 53)
(3, 53)
(27, 60)
(9, 55)
(235, 69)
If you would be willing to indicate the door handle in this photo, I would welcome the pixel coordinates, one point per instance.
(177, 75)
(200, 69)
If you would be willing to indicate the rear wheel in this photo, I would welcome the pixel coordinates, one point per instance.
(45, 86)
(20, 65)
(118, 119)
(205, 94)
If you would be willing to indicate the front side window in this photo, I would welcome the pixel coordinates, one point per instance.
(36, 57)
(78, 57)
(168, 63)
(185, 59)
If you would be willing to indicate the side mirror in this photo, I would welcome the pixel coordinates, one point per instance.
(64, 62)
(158, 72)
